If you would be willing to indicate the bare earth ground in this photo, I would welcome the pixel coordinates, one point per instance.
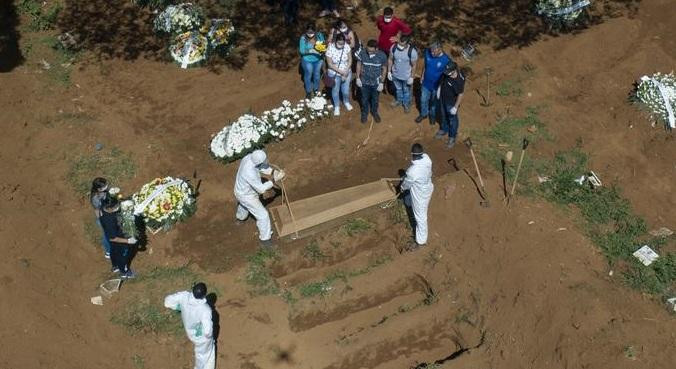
(518, 287)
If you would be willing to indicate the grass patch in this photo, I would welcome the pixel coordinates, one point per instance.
(92, 231)
(41, 17)
(398, 214)
(139, 362)
(356, 226)
(313, 252)
(509, 87)
(258, 273)
(144, 316)
(115, 165)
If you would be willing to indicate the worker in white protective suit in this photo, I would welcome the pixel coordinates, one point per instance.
(249, 187)
(418, 183)
(196, 315)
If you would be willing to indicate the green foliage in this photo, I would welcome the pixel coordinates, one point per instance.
(92, 231)
(313, 252)
(139, 362)
(356, 226)
(324, 286)
(509, 87)
(398, 214)
(41, 18)
(258, 274)
(142, 316)
(115, 165)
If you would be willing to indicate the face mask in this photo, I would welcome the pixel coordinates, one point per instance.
(340, 47)
(401, 47)
(104, 189)
(343, 29)
(387, 20)
(310, 35)
(372, 55)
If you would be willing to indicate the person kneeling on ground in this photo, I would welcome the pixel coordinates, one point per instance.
(371, 68)
(197, 322)
(249, 187)
(418, 183)
(120, 247)
(450, 93)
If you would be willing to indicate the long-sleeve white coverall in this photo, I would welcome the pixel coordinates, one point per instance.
(419, 181)
(196, 315)
(248, 188)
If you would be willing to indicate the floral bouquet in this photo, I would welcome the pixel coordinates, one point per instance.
(243, 136)
(657, 93)
(179, 18)
(288, 118)
(128, 219)
(220, 33)
(189, 49)
(165, 201)
(563, 11)
(153, 4)
(320, 46)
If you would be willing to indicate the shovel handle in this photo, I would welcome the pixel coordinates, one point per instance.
(524, 144)
(468, 142)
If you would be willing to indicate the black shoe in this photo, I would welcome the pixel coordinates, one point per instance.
(412, 246)
(376, 117)
(407, 109)
(267, 244)
(364, 120)
(419, 119)
(308, 95)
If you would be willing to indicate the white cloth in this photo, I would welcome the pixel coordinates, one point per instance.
(248, 188)
(196, 315)
(418, 181)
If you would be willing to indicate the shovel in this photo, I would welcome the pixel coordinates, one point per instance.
(468, 143)
(368, 136)
(524, 145)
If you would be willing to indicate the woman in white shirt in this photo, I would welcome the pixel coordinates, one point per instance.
(339, 62)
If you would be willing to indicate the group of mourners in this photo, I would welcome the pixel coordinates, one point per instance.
(389, 63)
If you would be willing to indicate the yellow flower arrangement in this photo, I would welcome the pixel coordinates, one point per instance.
(172, 201)
(320, 46)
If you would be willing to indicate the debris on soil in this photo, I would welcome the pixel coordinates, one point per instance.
(672, 304)
(646, 255)
(508, 156)
(543, 179)
(661, 232)
(448, 190)
(46, 66)
(532, 129)
(97, 300)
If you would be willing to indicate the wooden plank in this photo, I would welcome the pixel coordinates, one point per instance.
(323, 208)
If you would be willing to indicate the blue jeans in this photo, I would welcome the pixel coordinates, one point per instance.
(369, 101)
(104, 240)
(428, 103)
(311, 75)
(341, 86)
(449, 122)
(403, 91)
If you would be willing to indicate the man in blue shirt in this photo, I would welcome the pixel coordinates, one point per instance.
(435, 62)
(371, 68)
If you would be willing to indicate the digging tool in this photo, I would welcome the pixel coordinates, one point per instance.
(468, 142)
(487, 98)
(285, 200)
(368, 136)
(524, 145)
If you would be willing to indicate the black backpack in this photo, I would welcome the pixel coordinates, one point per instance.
(393, 49)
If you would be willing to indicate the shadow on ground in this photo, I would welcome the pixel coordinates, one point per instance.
(10, 53)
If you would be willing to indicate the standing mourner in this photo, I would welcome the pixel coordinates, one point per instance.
(450, 93)
(390, 28)
(339, 64)
(120, 246)
(311, 59)
(197, 322)
(329, 7)
(249, 188)
(371, 69)
(433, 67)
(401, 65)
(290, 8)
(97, 194)
(418, 183)
(340, 27)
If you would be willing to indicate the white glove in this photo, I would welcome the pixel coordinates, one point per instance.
(454, 110)
(278, 175)
(409, 81)
(380, 87)
(131, 240)
(358, 82)
(389, 76)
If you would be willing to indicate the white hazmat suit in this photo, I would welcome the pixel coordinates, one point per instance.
(196, 315)
(418, 181)
(249, 187)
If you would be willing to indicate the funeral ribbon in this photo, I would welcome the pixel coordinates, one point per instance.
(139, 208)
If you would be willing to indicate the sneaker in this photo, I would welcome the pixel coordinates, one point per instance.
(336, 111)
(419, 118)
(336, 14)
(114, 270)
(308, 95)
(324, 13)
(407, 109)
(364, 119)
(376, 117)
(267, 243)
(106, 255)
(348, 106)
(128, 275)
(412, 246)
(451, 143)
(395, 103)
(440, 135)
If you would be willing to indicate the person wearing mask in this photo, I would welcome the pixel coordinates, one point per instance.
(311, 59)
(401, 64)
(197, 322)
(418, 188)
(339, 65)
(249, 188)
(435, 61)
(371, 69)
(98, 193)
(341, 28)
(120, 252)
(390, 28)
(329, 7)
(450, 93)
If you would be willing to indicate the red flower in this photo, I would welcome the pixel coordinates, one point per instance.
(166, 206)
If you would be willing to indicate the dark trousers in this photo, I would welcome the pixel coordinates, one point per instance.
(369, 100)
(290, 8)
(449, 122)
(119, 257)
(329, 5)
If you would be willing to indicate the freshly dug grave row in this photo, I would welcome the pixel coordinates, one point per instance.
(360, 298)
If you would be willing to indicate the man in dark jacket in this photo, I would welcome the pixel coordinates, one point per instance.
(120, 247)
(450, 94)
